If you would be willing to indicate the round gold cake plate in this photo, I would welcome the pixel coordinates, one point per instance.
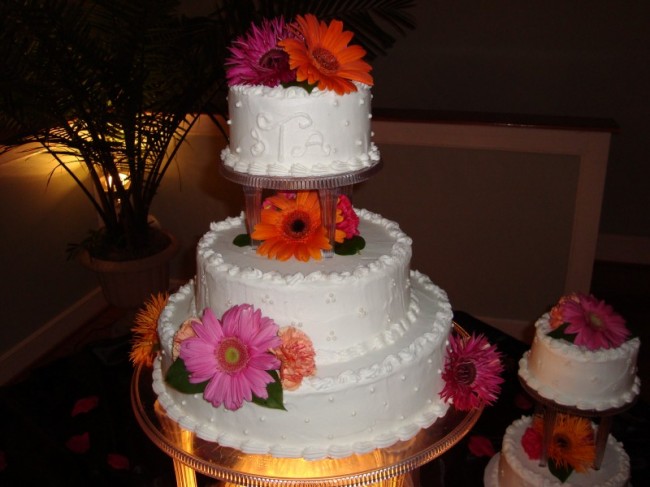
(383, 467)
(550, 409)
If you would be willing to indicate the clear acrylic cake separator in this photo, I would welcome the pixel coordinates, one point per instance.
(329, 188)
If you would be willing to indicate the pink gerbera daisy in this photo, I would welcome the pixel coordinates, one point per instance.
(233, 355)
(257, 59)
(594, 323)
(347, 221)
(472, 372)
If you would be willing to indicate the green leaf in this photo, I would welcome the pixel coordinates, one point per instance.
(350, 246)
(560, 333)
(242, 240)
(179, 378)
(561, 473)
(300, 84)
(275, 399)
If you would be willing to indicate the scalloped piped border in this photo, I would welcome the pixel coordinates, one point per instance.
(400, 249)
(167, 330)
(208, 432)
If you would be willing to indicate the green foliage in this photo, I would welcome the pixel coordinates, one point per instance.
(116, 85)
(561, 473)
(242, 240)
(275, 400)
(350, 246)
(560, 333)
(179, 378)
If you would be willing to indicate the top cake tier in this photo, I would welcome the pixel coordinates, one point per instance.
(290, 132)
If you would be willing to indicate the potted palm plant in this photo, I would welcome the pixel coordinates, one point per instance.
(115, 86)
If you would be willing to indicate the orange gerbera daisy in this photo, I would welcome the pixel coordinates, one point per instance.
(145, 332)
(292, 227)
(572, 445)
(323, 56)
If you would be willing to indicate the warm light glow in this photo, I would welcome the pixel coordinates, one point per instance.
(107, 182)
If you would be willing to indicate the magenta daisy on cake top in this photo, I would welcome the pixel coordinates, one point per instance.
(257, 59)
(233, 355)
(472, 372)
(588, 322)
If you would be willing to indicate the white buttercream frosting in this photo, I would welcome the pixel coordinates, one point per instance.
(513, 468)
(289, 132)
(379, 330)
(348, 305)
(575, 376)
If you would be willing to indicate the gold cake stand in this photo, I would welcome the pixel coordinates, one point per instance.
(384, 467)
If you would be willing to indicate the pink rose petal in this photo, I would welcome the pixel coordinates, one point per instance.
(85, 405)
(480, 446)
(117, 461)
(79, 443)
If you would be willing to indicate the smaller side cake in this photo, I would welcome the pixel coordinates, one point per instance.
(514, 467)
(582, 356)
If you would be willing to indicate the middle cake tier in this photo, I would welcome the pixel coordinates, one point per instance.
(348, 305)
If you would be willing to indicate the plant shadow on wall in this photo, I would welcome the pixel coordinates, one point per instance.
(115, 86)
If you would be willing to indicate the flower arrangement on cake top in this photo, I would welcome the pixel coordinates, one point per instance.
(472, 372)
(588, 322)
(242, 357)
(572, 446)
(291, 226)
(307, 52)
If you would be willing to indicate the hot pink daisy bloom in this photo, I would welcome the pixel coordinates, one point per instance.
(472, 372)
(594, 323)
(531, 442)
(256, 57)
(233, 355)
(347, 221)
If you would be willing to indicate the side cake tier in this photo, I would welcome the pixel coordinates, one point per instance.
(570, 375)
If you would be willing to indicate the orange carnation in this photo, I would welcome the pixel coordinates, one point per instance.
(296, 355)
(321, 55)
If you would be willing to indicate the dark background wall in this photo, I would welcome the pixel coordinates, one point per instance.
(552, 57)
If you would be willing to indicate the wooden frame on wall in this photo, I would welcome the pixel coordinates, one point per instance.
(569, 161)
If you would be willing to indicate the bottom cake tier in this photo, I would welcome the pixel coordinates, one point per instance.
(373, 401)
(513, 468)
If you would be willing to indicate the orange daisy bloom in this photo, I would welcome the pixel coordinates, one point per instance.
(573, 444)
(145, 332)
(292, 227)
(323, 56)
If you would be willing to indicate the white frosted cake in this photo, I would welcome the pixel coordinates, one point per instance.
(277, 131)
(512, 467)
(573, 375)
(379, 332)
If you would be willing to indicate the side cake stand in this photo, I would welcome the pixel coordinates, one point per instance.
(385, 467)
(550, 409)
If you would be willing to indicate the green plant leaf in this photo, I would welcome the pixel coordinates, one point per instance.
(350, 246)
(300, 84)
(179, 378)
(560, 333)
(242, 240)
(275, 399)
(562, 473)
